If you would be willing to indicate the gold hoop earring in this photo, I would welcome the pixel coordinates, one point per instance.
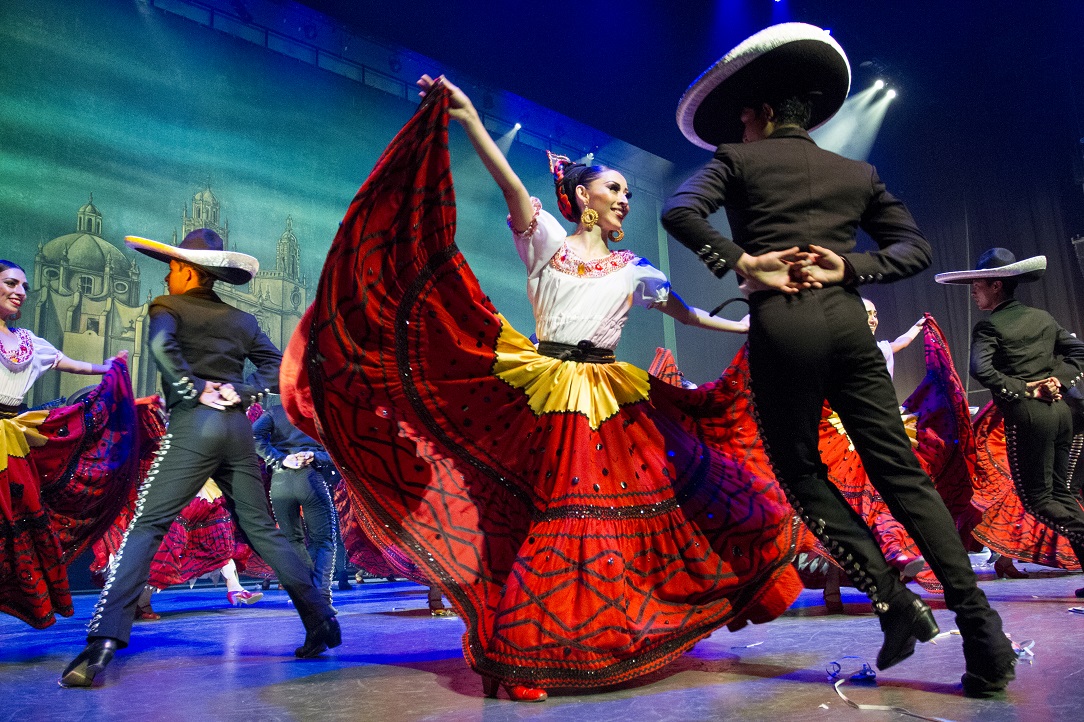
(615, 236)
(589, 218)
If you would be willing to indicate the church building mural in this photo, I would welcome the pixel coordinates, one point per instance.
(87, 298)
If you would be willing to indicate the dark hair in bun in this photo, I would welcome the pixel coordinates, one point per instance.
(568, 174)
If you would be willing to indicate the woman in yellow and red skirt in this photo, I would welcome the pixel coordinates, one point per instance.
(64, 472)
(570, 507)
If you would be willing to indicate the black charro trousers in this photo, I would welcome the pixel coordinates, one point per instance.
(304, 491)
(1039, 439)
(817, 345)
(200, 443)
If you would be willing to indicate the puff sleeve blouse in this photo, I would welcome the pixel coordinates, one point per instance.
(578, 299)
(21, 367)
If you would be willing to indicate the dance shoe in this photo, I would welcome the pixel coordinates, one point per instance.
(990, 676)
(1004, 568)
(833, 597)
(320, 638)
(243, 597)
(1079, 593)
(913, 568)
(144, 613)
(908, 567)
(904, 624)
(93, 659)
(516, 692)
(436, 606)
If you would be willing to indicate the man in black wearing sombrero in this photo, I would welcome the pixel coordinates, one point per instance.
(794, 210)
(1028, 362)
(200, 346)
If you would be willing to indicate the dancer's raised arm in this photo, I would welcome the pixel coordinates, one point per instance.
(461, 109)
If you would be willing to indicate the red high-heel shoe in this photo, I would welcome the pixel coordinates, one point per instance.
(1004, 568)
(145, 613)
(516, 692)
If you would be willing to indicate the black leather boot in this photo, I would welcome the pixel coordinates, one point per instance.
(906, 622)
(320, 638)
(991, 663)
(93, 659)
(989, 684)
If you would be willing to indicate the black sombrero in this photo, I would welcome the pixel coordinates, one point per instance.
(779, 62)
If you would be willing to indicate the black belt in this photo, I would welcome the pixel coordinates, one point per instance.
(9, 412)
(583, 352)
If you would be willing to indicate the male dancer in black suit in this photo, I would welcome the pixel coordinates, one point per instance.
(200, 345)
(794, 210)
(1028, 362)
(302, 474)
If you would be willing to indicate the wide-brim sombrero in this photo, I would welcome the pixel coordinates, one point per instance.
(201, 248)
(779, 62)
(998, 263)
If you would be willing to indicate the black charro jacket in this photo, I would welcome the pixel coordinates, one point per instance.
(785, 191)
(276, 438)
(1018, 344)
(196, 338)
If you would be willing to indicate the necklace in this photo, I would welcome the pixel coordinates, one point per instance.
(18, 359)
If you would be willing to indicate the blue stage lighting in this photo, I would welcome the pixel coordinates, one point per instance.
(890, 94)
(879, 84)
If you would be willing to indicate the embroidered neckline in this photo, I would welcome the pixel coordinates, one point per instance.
(566, 261)
(18, 359)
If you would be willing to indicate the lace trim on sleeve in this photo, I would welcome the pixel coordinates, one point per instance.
(527, 232)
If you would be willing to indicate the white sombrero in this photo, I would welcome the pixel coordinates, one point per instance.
(202, 247)
(779, 62)
(998, 263)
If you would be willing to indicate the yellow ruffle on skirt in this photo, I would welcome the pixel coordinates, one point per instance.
(910, 425)
(20, 433)
(552, 386)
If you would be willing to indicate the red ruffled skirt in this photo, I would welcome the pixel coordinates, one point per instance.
(68, 471)
(1006, 527)
(386, 561)
(576, 515)
(937, 419)
(939, 423)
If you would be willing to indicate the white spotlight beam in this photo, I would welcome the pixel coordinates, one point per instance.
(505, 141)
(852, 131)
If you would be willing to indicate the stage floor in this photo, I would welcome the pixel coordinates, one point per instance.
(207, 661)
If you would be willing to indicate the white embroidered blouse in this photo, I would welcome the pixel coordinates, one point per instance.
(20, 368)
(576, 299)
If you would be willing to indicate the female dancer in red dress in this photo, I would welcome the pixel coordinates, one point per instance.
(64, 472)
(571, 507)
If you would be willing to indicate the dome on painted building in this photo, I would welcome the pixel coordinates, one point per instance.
(89, 208)
(205, 196)
(85, 251)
